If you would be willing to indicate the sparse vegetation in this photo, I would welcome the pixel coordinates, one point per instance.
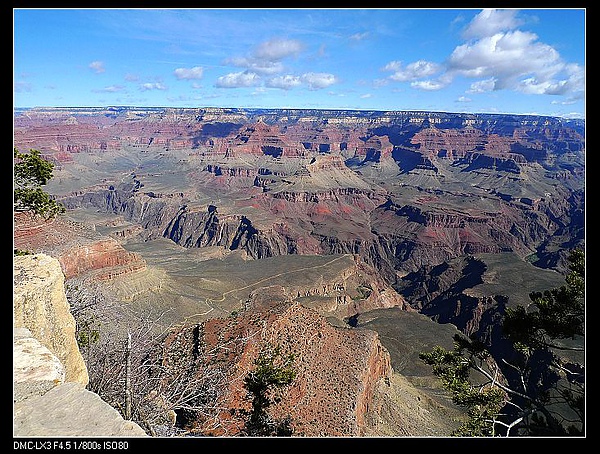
(352, 235)
(82, 302)
(364, 291)
(132, 368)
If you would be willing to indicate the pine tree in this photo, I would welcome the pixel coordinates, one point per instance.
(272, 371)
(30, 173)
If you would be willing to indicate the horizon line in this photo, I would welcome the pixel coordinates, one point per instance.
(347, 109)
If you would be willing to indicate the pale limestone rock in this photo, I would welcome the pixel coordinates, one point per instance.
(71, 410)
(41, 306)
(35, 369)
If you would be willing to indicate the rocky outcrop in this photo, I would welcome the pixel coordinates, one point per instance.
(36, 370)
(49, 374)
(317, 181)
(406, 192)
(80, 249)
(389, 233)
(69, 410)
(104, 259)
(338, 369)
(355, 289)
(472, 291)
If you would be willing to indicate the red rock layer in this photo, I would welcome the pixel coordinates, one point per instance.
(79, 250)
(337, 368)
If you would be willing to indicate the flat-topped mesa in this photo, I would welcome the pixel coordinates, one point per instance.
(260, 139)
(326, 171)
(347, 195)
(64, 138)
(326, 163)
(458, 143)
(321, 137)
(219, 170)
(449, 144)
(284, 132)
(306, 181)
(375, 148)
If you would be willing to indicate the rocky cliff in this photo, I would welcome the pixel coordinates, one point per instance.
(41, 306)
(80, 250)
(345, 383)
(419, 197)
(49, 373)
(289, 130)
(402, 189)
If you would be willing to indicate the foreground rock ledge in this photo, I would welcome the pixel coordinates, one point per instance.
(71, 410)
(49, 375)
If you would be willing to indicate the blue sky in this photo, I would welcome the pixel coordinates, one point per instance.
(529, 61)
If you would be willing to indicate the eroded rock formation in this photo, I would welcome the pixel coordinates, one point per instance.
(338, 369)
(415, 196)
(80, 249)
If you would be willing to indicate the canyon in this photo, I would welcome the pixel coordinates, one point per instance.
(331, 226)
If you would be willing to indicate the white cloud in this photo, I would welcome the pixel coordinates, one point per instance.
(278, 49)
(565, 103)
(491, 21)
(413, 71)
(111, 89)
(256, 65)
(153, 86)
(532, 85)
(505, 54)
(266, 59)
(236, 80)
(501, 56)
(189, 73)
(97, 67)
(482, 86)
(359, 36)
(393, 66)
(428, 85)
(284, 82)
(317, 81)
(517, 61)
